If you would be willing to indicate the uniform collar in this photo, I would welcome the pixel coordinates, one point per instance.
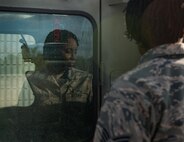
(66, 74)
(163, 51)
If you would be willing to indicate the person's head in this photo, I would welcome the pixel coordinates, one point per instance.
(154, 22)
(60, 48)
(60, 45)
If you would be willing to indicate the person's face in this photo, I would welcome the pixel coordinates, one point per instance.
(70, 50)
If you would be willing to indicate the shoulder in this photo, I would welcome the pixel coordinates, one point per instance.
(81, 73)
(134, 82)
(36, 76)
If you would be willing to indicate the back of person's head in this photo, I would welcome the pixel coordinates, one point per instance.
(133, 15)
(155, 22)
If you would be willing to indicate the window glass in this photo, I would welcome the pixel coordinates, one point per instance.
(46, 74)
(12, 71)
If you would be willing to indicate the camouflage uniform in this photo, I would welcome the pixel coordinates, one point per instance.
(72, 85)
(62, 109)
(147, 103)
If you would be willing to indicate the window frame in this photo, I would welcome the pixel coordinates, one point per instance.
(96, 48)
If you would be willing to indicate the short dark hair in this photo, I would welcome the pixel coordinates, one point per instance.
(53, 43)
(156, 21)
(133, 14)
(163, 22)
(59, 35)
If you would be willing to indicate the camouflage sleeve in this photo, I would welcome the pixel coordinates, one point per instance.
(125, 116)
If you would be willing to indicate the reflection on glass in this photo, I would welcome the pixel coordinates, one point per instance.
(46, 77)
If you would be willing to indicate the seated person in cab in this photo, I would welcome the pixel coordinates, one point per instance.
(63, 94)
(59, 81)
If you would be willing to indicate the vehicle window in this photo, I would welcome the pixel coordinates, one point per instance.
(46, 75)
(13, 70)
